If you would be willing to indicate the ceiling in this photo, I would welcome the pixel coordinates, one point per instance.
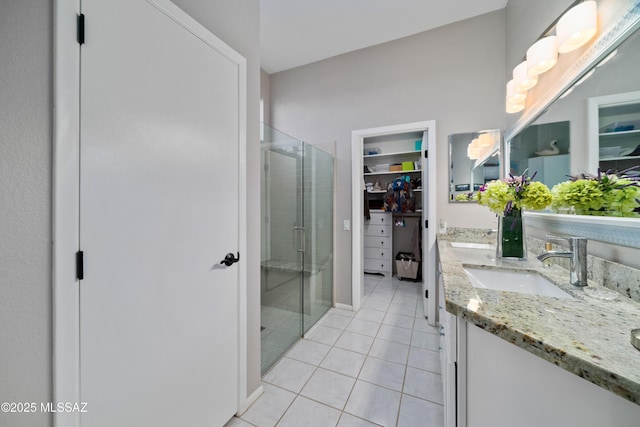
(298, 32)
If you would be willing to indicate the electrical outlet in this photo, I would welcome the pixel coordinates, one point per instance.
(346, 225)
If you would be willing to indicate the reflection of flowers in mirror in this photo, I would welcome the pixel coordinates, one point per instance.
(465, 197)
(603, 194)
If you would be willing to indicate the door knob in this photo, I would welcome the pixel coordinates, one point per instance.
(230, 259)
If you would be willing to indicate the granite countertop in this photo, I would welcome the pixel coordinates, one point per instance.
(585, 336)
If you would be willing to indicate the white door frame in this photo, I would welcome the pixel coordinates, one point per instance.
(357, 241)
(66, 201)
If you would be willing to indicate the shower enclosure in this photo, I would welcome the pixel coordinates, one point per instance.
(297, 240)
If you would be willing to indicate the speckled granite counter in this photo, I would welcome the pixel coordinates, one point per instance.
(585, 336)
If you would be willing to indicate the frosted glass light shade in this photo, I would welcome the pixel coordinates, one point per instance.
(473, 149)
(514, 108)
(485, 140)
(542, 56)
(577, 26)
(514, 97)
(522, 80)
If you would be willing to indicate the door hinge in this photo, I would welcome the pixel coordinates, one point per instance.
(80, 29)
(426, 293)
(426, 223)
(426, 154)
(79, 265)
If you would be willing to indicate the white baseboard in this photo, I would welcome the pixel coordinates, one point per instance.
(344, 306)
(242, 408)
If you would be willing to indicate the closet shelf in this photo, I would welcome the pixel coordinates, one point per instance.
(384, 191)
(398, 153)
(394, 173)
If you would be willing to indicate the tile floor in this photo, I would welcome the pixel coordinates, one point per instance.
(379, 366)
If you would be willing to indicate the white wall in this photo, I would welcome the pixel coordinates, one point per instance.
(265, 95)
(453, 74)
(25, 207)
(26, 85)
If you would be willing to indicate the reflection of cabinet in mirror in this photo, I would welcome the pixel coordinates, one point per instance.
(551, 169)
(542, 148)
(614, 131)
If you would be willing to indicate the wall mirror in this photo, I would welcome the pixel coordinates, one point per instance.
(592, 122)
(474, 158)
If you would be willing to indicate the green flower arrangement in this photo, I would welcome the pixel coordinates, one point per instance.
(464, 197)
(514, 192)
(605, 194)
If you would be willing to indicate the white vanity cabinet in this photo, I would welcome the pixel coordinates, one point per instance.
(507, 386)
(378, 243)
(488, 381)
(448, 357)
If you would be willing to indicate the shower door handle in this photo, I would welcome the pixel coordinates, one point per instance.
(303, 238)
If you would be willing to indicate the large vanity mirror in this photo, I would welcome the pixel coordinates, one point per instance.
(474, 159)
(592, 123)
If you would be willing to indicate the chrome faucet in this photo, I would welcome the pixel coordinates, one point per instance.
(577, 255)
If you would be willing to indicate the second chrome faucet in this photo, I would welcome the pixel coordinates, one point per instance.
(577, 255)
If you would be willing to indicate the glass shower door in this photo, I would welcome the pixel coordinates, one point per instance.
(297, 241)
(317, 283)
(282, 234)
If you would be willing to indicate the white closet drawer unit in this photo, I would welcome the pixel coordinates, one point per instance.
(377, 243)
(377, 253)
(376, 230)
(377, 265)
(379, 218)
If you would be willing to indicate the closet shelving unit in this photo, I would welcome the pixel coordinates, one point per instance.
(614, 131)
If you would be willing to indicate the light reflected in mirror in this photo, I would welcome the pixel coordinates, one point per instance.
(595, 124)
(474, 158)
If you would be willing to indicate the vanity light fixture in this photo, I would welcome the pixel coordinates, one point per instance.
(573, 29)
(514, 108)
(472, 153)
(542, 56)
(577, 26)
(522, 80)
(513, 96)
(485, 140)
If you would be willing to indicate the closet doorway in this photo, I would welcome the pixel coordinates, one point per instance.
(390, 145)
(297, 241)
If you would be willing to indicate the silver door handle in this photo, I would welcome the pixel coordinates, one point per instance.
(303, 238)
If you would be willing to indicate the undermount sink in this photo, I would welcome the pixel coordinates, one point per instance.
(524, 282)
(472, 245)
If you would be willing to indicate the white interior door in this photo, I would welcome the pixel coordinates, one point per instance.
(159, 195)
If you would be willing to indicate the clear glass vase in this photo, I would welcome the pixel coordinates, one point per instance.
(511, 238)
